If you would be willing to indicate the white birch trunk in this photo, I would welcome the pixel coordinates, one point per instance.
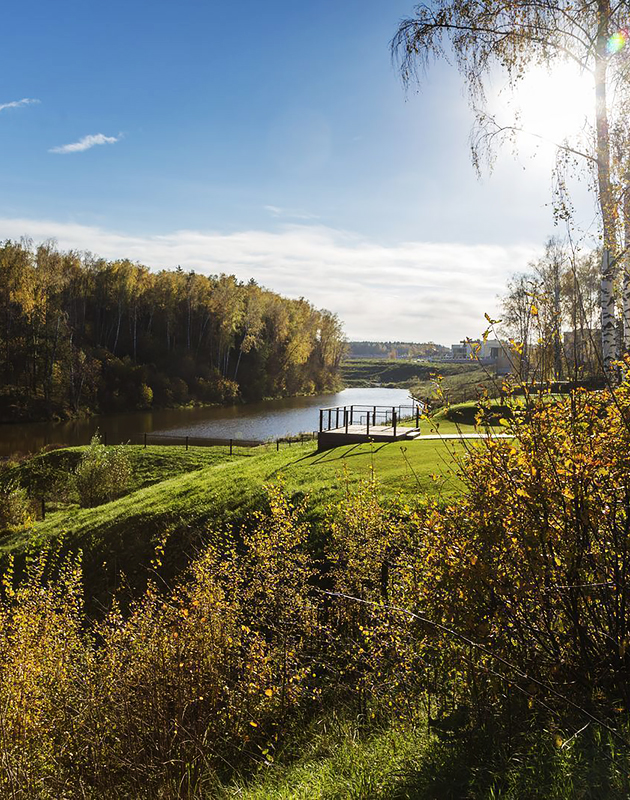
(625, 288)
(606, 195)
(609, 337)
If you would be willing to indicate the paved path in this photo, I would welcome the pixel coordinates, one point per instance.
(429, 436)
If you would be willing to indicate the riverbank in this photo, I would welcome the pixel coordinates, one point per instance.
(265, 420)
(398, 373)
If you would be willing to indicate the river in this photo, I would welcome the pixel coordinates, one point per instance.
(270, 419)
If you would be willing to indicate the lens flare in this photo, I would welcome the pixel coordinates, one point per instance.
(617, 41)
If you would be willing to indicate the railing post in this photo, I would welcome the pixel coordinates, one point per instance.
(321, 420)
(417, 416)
(278, 444)
(394, 419)
(329, 417)
(337, 417)
(187, 443)
(374, 417)
(345, 417)
(230, 447)
(367, 417)
(351, 415)
(145, 441)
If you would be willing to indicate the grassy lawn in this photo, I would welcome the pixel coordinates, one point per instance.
(186, 494)
(208, 484)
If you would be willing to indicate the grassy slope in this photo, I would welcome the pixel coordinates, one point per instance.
(383, 372)
(206, 488)
(457, 387)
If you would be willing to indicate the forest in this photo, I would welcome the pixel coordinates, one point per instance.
(81, 334)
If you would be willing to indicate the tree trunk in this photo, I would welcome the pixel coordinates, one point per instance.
(625, 291)
(557, 321)
(606, 196)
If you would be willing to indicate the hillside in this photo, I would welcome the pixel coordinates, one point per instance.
(184, 494)
(391, 373)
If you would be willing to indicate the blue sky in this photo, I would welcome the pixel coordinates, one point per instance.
(271, 140)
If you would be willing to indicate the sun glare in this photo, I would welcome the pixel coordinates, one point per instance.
(552, 104)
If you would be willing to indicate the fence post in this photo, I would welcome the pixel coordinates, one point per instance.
(230, 447)
(394, 418)
(145, 441)
(329, 418)
(187, 443)
(345, 418)
(367, 417)
(417, 416)
(278, 444)
(374, 417)
(321, 420)
(351, 414)
(337, 417)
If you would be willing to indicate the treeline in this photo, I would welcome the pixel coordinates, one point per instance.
(551, 314)
(395, 350)
(80, 333)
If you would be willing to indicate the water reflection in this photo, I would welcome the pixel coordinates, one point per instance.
(269, 419)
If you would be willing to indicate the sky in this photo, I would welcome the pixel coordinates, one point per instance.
(273, 141)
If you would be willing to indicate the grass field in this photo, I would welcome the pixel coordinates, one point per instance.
(185, 494)
(383, 372)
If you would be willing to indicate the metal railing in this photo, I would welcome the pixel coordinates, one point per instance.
(342, 418)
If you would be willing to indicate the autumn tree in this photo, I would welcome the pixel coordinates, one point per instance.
(515, 37)
(79, 332)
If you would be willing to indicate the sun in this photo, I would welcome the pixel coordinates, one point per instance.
(552, 104)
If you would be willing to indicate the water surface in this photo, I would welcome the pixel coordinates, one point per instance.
(269, 419)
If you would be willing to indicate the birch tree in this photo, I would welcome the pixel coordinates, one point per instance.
(515, 37)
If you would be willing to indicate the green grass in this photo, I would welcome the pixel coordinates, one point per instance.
(405, 761)
(383, 372)
(456, 387)
(339, 761)
(186, 494)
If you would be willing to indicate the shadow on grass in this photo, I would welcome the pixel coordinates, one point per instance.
(481, 766)
(346, 454)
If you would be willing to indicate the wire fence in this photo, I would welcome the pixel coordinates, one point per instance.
(179, 440)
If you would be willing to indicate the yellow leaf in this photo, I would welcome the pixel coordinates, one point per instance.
(269, 692)
(534, 310)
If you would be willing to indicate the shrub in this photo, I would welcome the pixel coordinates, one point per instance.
(102, 474)
(16, 509)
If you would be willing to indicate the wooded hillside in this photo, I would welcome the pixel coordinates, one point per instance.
(80, 333)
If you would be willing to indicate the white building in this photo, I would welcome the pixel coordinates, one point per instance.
(488, 351)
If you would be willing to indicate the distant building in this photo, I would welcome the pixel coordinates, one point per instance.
(491, 352)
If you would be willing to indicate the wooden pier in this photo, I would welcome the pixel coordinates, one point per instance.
(340, 425)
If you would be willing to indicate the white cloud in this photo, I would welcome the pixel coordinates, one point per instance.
(277, 211)
(85, 143)
(413, 291)
(25, 101)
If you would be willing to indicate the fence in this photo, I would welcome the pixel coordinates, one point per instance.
(343, 417)
(172, 440)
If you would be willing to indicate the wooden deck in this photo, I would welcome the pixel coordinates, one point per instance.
(362, 433)
(385, 433)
